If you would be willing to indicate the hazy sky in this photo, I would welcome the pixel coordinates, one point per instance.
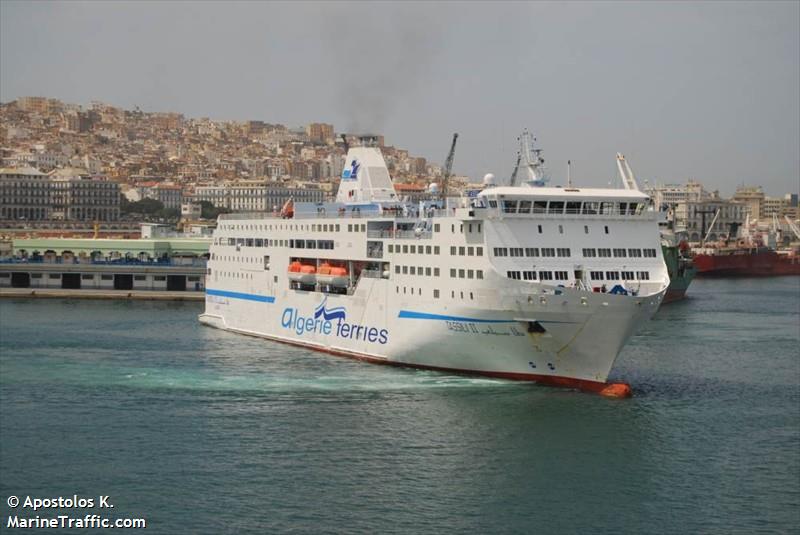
(685, 89)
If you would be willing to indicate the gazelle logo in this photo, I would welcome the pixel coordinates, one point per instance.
(352, 173)
(331, 322)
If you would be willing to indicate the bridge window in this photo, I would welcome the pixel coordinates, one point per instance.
(556, 207)
(539, 207)
(525, 207)
(510, 207)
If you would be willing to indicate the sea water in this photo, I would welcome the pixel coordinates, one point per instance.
(201, 431)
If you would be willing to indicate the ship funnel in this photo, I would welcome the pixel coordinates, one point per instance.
(365, 177)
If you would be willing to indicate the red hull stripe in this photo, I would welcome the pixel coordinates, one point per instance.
(584, 385)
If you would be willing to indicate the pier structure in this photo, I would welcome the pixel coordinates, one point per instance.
(165, 265)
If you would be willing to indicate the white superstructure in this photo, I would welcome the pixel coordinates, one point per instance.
(538, 283)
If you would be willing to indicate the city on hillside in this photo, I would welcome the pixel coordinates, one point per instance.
(70, 168)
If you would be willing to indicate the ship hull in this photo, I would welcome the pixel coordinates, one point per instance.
(681, 273)
(572, 343)
(746, 263)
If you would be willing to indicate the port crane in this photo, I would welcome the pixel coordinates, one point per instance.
(625, 173)
(792, 226)
(448, 168)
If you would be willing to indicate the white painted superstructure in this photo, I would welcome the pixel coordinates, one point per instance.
(514, 283)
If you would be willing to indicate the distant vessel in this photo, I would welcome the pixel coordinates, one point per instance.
(543, 284)
(743, 261)
(749, 256)
(681, 270)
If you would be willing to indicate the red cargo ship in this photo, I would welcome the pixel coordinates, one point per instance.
(746, 262)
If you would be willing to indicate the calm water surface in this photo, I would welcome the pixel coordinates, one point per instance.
(202, 431)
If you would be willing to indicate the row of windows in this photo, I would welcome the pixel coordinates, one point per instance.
(416, 270)
(316, 227)
(466, 273)
(414, 249)
(409, 290)
(466, 251)
(461, 228)
(543, 275)
(563, 252)
(617, 275)
(569, 207)
(619, 253)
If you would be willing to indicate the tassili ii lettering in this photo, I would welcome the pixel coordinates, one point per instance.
(331, 321)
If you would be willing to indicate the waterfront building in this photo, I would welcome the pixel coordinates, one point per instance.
(753, 198)
(25, 194)
(701, 214)
(255, 196)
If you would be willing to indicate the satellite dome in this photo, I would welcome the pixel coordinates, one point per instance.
(488, 179)
(433, 187)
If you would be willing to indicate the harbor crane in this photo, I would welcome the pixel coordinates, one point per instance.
(625, 173)
(792, 226)
(711, 226)
(448, 168)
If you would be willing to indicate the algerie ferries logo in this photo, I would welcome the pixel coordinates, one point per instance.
(331, 322)
(352, 173)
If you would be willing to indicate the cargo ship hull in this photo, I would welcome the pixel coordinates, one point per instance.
(751, 262)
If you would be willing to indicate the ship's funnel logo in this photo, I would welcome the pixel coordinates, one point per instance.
(337, 313)
(352, 173)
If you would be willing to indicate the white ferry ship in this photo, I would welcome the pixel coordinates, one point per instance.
(544, 284)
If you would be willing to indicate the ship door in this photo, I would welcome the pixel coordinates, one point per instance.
(578, 276)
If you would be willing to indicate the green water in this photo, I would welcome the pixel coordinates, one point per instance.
(201, 431)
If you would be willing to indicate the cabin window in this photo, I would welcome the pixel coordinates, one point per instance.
(436, 294)
(529, 275)
(405, 270)
(561, 229)
(470, 251)
(548, 251)
(479, 251)
(427, 271)
(515, 275)
(606, 227)
(619, 253)
(266, 263)
(452, 250)
(435, 272)
(461, 251)
(643, 275)
(586, 229)
(627, 275)
(427, 249)
(510, 207)
(516, 251)
(563, 252)
(650, 253)
(561, 275)
(460, 273)
(635, 253)
(604, 253)
(412, 249)
(397, 269)
(470, 274)
(540, 229)
(391, 248)
(436, 227)
(546, 275)
(479, 274)
(453, 273)
(525, 207)
(412, 270)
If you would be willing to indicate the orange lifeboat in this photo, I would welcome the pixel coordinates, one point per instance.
(302, 273)
(333, 276)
